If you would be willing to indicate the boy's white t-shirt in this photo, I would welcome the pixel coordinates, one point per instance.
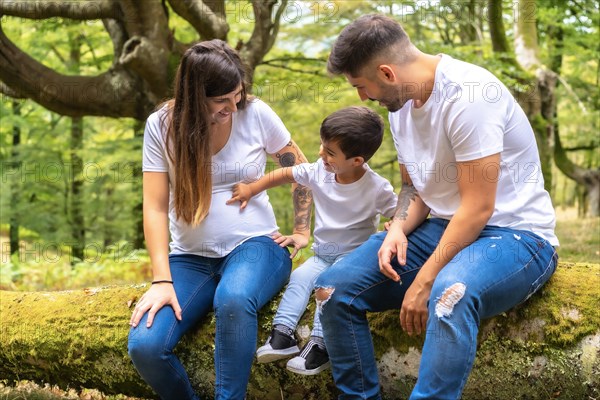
(345, 214)
(256, 132)
(470, 115)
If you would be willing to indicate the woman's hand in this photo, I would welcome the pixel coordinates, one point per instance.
(158, 296)
(241, 192)
(297, 240)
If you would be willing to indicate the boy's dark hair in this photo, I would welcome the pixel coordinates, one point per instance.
(357, 130)
(366, 38)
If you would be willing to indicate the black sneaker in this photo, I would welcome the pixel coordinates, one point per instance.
(278, 346)
(311, 360)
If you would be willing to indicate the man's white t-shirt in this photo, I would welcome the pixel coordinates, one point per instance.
(470, 115)
(256, 132)
(345, 214)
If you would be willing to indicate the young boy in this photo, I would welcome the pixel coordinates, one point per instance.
(349, 198)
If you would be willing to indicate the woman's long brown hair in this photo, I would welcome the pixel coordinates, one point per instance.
(207, 69)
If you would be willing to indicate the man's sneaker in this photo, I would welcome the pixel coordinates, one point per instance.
(311, 360)
(278, 346)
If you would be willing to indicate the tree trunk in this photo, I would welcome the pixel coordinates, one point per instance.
(137, 210)
(76, 218)
(110, 215)
(539, 103)
(589, 178)
(497, 32)
(15, 183)
(546, 348)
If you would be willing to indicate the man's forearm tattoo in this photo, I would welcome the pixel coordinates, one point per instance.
(302, 207)
(407, 194)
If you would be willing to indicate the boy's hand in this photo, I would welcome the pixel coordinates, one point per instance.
(241, 192)
(387, 224)
(297, 240)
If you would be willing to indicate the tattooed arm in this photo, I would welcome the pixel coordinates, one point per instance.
(289, 156)
(411, 211)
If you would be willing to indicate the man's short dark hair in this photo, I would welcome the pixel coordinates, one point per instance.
(366, 38)
(357, 130)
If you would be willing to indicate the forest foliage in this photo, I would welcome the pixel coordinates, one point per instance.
(71, 190)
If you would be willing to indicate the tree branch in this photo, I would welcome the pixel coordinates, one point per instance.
(281, 63)
(572, 93)
(264, 33)
(148, 61)
(115, 93)
(205, 21)
(321, 60)
(4, 89)
(72, 9)
(591, 146)
(270, 63)
(569, 168)
(118, 36)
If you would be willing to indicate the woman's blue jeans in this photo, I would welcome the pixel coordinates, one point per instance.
(236, 287)
(501, 269)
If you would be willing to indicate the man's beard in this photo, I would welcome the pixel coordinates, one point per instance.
(392, 98)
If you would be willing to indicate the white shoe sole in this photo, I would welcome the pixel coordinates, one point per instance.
(270, 355)
(300, 370)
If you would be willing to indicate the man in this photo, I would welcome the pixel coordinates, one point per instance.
(468, 160)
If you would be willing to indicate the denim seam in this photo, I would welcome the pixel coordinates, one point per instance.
(171, 331)
(258, 295)
(362, 380)
(536, 285)
(358, 360)
(525, 265)
(268, 280)
(472, 354)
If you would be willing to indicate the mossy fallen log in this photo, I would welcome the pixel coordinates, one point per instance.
(547, 348)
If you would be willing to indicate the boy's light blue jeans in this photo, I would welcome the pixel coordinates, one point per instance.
(503, 268)
(298, 291)
(236, 287)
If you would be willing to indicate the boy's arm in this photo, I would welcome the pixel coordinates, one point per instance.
(289, 156)
(243, 192)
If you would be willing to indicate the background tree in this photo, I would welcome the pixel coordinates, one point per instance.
(136, 45)
(145, 51)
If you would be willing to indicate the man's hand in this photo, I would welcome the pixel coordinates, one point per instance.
(414, 313)
(395, 243)
(241, 192)
(297, 240)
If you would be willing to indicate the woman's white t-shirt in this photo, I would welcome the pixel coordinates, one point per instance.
(470, 115)
(256, 132)
(345, 214)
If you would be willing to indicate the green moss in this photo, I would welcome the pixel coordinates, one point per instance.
(386, 333)
(70, 339)
(567, 306)
(79, 339)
